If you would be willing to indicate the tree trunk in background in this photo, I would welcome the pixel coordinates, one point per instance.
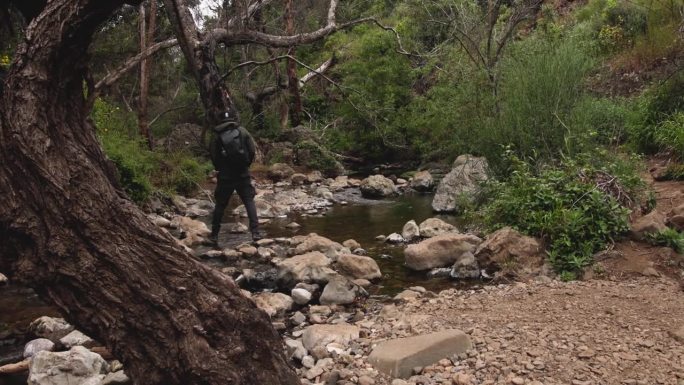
(146, 40)
(68, 231)
(295, 99)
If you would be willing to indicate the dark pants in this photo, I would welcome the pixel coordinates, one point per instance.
(246, 192)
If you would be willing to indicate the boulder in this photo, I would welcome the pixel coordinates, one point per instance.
(398, 357)
(274, 304)
(116, 378)
(394, 238)
(280, 171)
(314, 177)
(357, 266)
(314, 242)
(377, 186)
(309, 267)
(38, 345)
(422, 181)
(295, 349)
(76, 366)
(193, 232)
(76, 338)
(650, 223)
(410, 231)
(465, 267)
(298, 179)
(265, 209)
(341, 291)
(50, 328)
(322, 335)
(432, 227)
(511, 252)
(351, 244)
(461, 184)
(339, 183)
(440, 251)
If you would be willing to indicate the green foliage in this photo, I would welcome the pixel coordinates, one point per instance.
(313, 156)
(670, 134)
(142, 171)
(568, 211)
(669, 238)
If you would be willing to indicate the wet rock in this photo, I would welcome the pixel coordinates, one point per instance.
(377, 186)
(651, 223)
(461, 184)
(394, 238)
(432, 227)
(309, 267)
(356, 266)
(512, 252)
(38, 345)
(410, 231)
(398, 357)
(341, 291)
(76, 366)
(265, 209)
(315, 242)
(322, 335)
(274, 304)
(298, 179)
(301, 296)
(351, 244)
(339, 183)
(50, 328)
(280, 171)
(465, 267)
(422, 181)
(76, 338)
(362, 282)
(293, 225)
(440, 251)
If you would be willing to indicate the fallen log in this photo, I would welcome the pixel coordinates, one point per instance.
(15, 368)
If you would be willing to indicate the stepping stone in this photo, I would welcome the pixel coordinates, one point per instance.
(398, 357)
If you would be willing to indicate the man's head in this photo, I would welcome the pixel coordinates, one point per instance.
(225, 116)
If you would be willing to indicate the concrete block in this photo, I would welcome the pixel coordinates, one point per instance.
(398, 357)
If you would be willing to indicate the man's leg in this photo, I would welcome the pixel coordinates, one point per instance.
(246, 192)
(224, 190)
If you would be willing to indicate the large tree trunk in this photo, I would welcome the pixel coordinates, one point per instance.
(146, 40)
(69, 232)
(295, 102)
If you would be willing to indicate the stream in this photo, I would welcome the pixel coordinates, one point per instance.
(361, 219)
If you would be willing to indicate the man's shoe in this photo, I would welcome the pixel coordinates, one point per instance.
(256, 236)
(213, 240)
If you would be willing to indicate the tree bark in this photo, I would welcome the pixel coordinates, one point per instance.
(295, 99)
(69, 232)
(146, 39)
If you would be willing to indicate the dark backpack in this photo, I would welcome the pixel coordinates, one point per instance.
(233, 147)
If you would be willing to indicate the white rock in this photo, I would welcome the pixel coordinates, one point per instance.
(38, 345)
(410, 231)
(50, 328)
(301, 296)
(76, 366)
(273, 303)
(76, 338)
(394, 238)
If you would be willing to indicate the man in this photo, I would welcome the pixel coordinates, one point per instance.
(232, 152)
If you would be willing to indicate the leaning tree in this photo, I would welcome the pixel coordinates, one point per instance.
(68, 231)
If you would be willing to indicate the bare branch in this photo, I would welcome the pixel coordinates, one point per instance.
(321, 69)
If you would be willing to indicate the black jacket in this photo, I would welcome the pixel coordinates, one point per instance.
(221, 163)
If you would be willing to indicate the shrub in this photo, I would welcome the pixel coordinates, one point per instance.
(563, 206)
(670, 135)
(669, 237)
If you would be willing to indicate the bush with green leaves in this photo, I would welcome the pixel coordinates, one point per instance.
(669, 237)
(563, 206)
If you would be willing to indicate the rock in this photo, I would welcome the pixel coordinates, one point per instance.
(650, 272)
(397, 357)
(265, 209)
(239, 228)
(314, 177)
(339, 183)
(309, 267)
(678, 334)
(356, 266)
(465, 267)
(76, 366)
(193, 232)
(422, 181)
(116, 378)
(377, 186)
(351, 244)
(248, 250)
(341, 291)
(406, 295)
(293, 226)
(314, 242)
(432, 227)
(675, 218)
(308, 362)
(410, 231)
(512, 252)
(274, 304)
(440, 251)
(298, 318)
(76, 338)
(394, 238)
(461, 184)
(651, 223)
(301, 296)
(38, 345)
(295, 349)
(280, 171)
(160, 221)
(3, 280)
(365, 380)
(50, 328)
(322, 335)
(298, 179)
(362, 282)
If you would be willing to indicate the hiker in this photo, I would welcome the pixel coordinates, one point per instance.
(232, 152)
